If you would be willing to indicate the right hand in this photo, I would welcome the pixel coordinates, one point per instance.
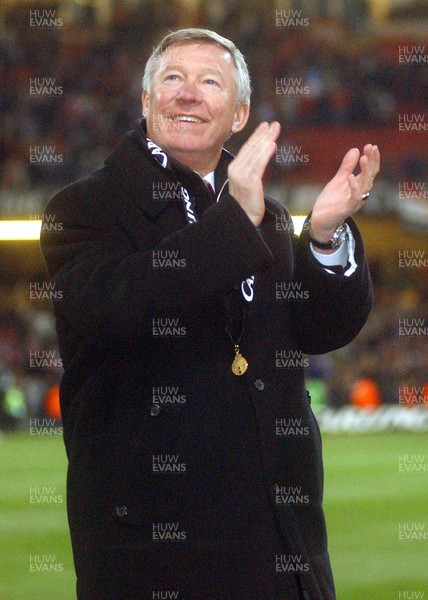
(246, 170)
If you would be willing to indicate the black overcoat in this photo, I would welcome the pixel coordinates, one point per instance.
(185, 480)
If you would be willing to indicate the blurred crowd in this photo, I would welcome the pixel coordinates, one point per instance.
(387, 363)
(93, 75)
(94, 78)
(30, 365)
(383, 365)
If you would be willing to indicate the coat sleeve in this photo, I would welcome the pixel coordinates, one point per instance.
(337, 306)
(111, 291)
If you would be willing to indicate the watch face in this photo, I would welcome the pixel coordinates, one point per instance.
(338, 236)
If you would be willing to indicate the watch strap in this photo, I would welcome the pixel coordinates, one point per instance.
(336, 239)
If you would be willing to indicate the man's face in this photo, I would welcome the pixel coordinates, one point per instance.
(191, 109)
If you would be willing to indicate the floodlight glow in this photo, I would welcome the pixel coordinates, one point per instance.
(20, 230)
(30, 230)
(298, 221)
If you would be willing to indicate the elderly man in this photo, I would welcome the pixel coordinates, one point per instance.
(195, 467)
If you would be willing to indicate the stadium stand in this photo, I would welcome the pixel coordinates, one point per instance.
(76, 87)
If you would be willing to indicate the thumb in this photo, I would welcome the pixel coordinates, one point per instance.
(349, 162)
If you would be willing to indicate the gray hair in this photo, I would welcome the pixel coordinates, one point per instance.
(242, 77)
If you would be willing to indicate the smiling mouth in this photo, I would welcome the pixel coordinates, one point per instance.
(185, 118)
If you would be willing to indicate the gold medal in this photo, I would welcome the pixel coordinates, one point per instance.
(240, 364)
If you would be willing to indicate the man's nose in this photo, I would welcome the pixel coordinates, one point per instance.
(189, 92)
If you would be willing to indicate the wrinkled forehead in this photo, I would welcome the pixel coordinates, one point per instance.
(197, 54)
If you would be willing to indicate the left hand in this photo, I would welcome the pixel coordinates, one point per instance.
(342, 196)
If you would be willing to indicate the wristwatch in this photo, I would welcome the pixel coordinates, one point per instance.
(336, 240)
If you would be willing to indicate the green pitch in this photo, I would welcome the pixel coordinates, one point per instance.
(367, 498)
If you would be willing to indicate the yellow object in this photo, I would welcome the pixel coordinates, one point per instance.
(20, 230)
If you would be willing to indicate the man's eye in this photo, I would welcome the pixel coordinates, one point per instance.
(211, 82)
(172, 77)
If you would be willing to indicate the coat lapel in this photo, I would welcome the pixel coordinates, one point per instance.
(136, 171)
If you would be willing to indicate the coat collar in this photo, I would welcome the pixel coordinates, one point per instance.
(135, 170)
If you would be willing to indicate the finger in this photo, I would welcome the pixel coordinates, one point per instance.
(271, 131)
(369, 165)
(368, 152)
(377, 156)
(349, 162)
(368, 149)
(265, 137)
(252, 141)
(366, 175)
(376, 159)
(356, 192)
(254, 165)
(265, 132)
(373, 156)
(266, 143)
(274, 130)
(255, 157)
(255, 137)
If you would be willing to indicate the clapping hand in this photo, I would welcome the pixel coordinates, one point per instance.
(343, 195)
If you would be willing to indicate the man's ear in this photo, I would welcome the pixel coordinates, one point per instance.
(144, 101)
(241, 117)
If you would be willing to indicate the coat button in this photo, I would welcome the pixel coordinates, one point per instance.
(121, 511)
(155, 410)
(259, 385)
